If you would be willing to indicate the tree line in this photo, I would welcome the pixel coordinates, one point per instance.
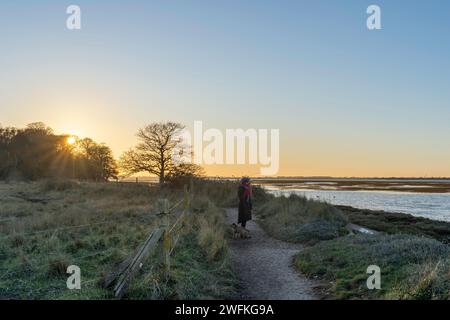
(36, 152)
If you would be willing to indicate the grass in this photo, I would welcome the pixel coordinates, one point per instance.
(411, 267)
(393, 223)
(412, 252)
(298, 219)
(49, 225)
(200, 265)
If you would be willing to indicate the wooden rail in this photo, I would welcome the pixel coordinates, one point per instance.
(165, 237)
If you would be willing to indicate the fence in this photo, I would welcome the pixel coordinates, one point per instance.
(164, 238)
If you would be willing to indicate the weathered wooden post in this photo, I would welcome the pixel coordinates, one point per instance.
(191, 188)
(163, 206)
(166, 243)
(187, 200)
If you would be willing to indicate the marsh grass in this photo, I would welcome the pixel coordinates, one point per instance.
(413, 264)
(391, 222)
(411, 267)
(48, 225)
(222, 193)
(298, 219)
(96, 226)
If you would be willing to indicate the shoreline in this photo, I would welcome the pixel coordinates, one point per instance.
(396, 222)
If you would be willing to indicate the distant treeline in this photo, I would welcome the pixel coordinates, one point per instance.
(36, 152)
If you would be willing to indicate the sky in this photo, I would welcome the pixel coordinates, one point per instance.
(348, 101)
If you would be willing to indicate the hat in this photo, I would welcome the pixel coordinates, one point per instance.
(245, 180)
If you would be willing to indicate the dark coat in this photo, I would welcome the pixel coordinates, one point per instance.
(245, 206)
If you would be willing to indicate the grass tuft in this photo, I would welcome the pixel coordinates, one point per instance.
(298, 219)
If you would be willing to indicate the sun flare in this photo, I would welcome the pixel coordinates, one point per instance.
(71, 140)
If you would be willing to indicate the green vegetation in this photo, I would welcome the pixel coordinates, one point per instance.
(222, 193)
(411, 252)
(298, 219)
(392, 223)
(412, 267)
(49, 225)
(200, 265)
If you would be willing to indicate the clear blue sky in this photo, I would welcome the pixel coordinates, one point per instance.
(348, 101)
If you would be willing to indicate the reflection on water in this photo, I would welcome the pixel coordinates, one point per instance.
(434, 206)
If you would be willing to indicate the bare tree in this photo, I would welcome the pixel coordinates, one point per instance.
(154, 153)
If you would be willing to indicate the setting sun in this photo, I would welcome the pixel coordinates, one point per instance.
(71, 140)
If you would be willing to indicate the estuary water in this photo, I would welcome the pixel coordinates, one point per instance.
(434, 206)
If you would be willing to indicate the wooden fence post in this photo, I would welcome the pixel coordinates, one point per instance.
(191, 188)
(187, 200)
(166, 246)
(128, 268)
(163, 206)
(134, 264)
(166, 239)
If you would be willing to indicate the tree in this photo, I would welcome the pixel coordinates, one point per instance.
(32, 152)
(183, 173)
(8, 160)
(39, 151)
(95, 161)
(154, 153)
(35, 152)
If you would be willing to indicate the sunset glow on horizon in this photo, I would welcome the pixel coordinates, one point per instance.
(348, 102)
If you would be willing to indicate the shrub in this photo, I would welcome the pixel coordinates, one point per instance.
(57, 266)
(222, 193)
(200, 204)
(313, 232)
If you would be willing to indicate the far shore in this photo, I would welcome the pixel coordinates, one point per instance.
(334, 184)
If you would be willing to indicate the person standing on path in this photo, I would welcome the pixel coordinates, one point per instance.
(245, 201)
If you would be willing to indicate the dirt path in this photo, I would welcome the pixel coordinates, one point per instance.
(264, 266)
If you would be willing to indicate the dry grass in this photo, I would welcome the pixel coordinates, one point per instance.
(298, 219)
(211, 234)
(46, 226)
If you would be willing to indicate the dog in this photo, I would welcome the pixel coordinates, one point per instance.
(240, 232)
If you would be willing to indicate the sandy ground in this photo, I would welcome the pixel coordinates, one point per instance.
(264, 266)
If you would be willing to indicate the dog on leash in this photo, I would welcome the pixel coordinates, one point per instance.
(240, 232)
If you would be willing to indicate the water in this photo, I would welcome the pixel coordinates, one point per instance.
(434, 206)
